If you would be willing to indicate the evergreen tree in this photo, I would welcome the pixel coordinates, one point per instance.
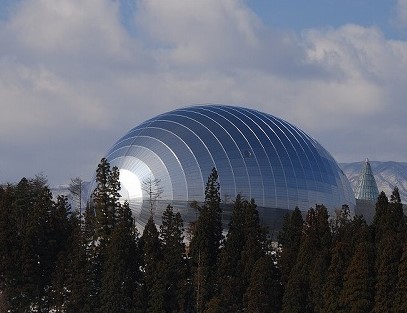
(400, 304)
(246, 243)
(175, 267)
(256, 244)
(380, 220)
(38, 235)
(206, 241)
(105, 200)
(345, 231)
(387, 260)
(70, 284)
(38, 250)
(264, 291)
(120, 270)
(9, 270)
(304, 290)
(389, 227)
(397, 218)
(358, 294)
(101, 220)
(18, 299)
(289, 239)
(229, 269)
(59, 231)
(153, 268)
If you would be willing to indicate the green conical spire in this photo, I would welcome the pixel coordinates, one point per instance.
(366, 188)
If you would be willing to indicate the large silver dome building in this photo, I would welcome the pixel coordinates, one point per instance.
(256, 154)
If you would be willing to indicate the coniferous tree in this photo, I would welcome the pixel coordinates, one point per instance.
(38, 250)
(387, 260)
(265, 290)
(18, 299)
(175, 267)
(93, 266)
(105, 201)
(229, 269)
(153, 269)
(389, 230)
(397, 218)
(289, 239)
(76, 272)
(38, 236)
(206, 241)
(120, 270)
(59, 232)
(381, 217)
(345, 231)
(304, 289)
(400, 304)
(256, 244)
(8, 246)
(358, 287)
(100, 221)
(246, 243)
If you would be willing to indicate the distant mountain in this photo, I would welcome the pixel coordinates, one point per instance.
(387, 175)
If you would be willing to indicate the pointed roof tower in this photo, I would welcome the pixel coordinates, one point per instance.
(366, 189)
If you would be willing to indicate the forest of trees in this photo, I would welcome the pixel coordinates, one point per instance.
(54, 258)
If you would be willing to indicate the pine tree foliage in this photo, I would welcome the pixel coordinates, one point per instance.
(100, 222)
(265, 290)
(175, 266)
(8, 245)
(400, 304)
(380, 220)
(256, 244)
(304, 289)
(206, 241)
(153, 268)
(246, 243)
(34, 232)
(388, 258)
(347, 233)
(105, 200)
(54, 259)
(230, 297)
(120, 270)
(76, 273)
(358, 287)
(390, 229)
(289, 239)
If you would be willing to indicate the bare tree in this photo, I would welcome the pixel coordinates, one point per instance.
(152, 187)
(75, 188)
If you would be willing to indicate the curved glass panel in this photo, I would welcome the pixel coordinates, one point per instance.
(255, 154)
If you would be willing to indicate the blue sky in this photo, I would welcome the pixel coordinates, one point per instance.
(295, 15)
(75, 75)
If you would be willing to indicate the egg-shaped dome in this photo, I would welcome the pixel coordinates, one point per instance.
(256, 154)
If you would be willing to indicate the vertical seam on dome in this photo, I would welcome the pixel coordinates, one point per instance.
(270, 119)
(220, 144)
(244, 113)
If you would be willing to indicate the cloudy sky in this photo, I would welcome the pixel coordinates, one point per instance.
(75, 75)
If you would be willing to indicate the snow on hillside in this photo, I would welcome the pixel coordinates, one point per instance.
(387, 174)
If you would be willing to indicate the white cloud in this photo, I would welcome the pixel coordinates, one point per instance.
(201, 32)
(401, 13)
